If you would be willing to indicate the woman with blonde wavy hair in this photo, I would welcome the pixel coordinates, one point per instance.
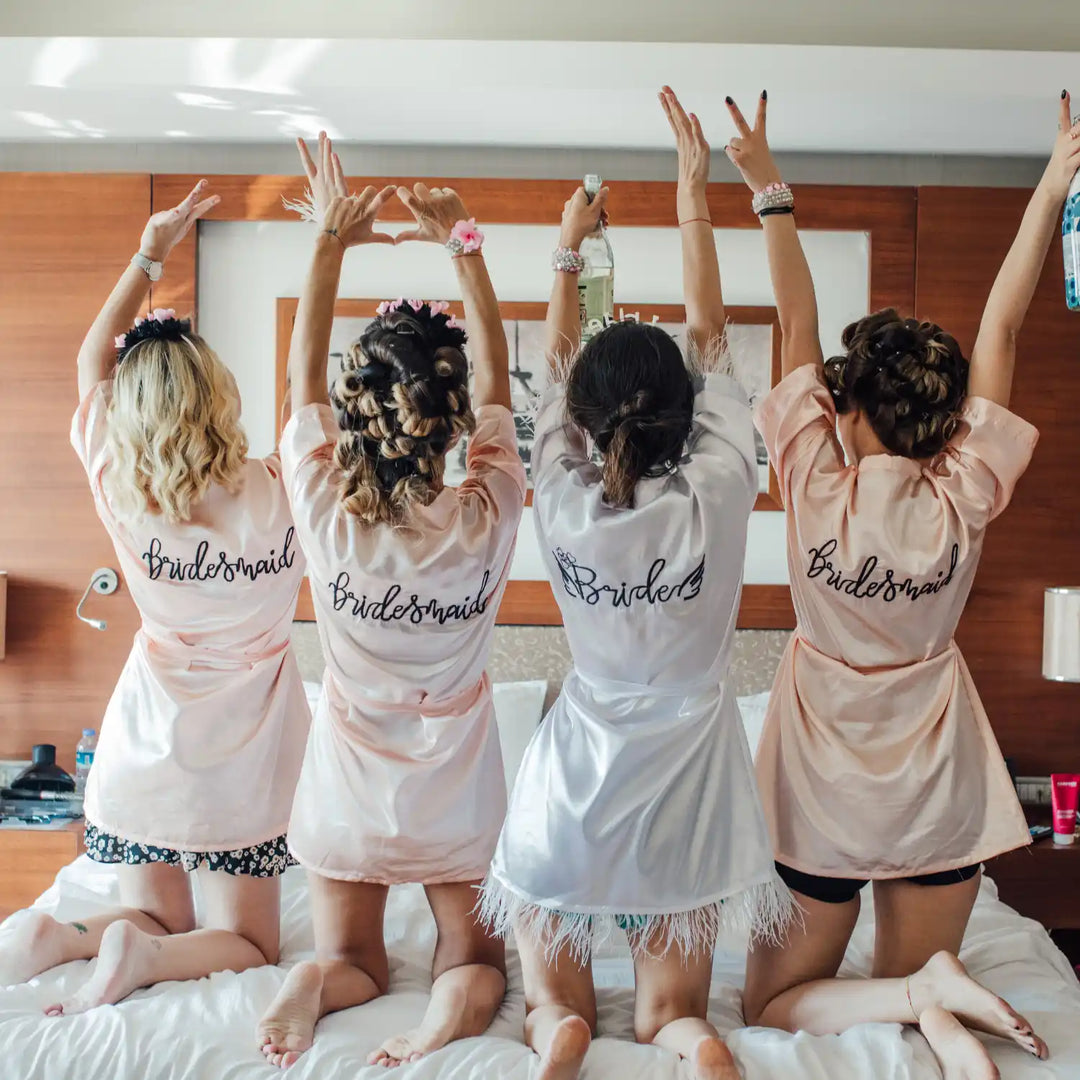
(202, 740)
(402, 779)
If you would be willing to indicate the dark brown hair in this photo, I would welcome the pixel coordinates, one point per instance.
(909, 378)
(630, 390)
(401, 401)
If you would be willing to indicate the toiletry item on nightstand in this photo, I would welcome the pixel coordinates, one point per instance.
(1064, 789)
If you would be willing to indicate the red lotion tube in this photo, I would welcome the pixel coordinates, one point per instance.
(1064, 789)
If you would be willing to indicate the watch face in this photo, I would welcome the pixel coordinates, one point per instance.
(153, 271)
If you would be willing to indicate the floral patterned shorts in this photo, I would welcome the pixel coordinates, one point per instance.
(268, 859)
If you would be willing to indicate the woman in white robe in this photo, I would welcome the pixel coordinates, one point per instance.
(635, 807)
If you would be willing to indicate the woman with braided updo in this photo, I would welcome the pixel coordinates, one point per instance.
(635, 810)
(402, 780)
(877, 762)
(203, 737)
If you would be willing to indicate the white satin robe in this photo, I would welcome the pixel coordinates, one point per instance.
(877, 758)
(202, 740)
(403, 779)
(636, 795)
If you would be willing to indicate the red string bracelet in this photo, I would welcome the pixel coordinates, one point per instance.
(690, 221)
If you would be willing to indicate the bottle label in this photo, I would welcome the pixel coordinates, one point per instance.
(84, 759)
(1070, 235)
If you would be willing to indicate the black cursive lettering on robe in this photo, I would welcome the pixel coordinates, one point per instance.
(392, 606)
(581, 582)
(204, 567)
(869, 583)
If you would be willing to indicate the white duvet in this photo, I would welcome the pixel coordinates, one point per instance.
(205, 1029)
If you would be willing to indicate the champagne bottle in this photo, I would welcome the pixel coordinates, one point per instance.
(1070, 239)
(596, 283)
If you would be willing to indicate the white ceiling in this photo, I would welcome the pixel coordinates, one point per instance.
(503, 93)
(946, 24)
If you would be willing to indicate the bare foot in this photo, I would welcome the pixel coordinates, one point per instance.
(434, 1032)
(944, 982)
(960, 1054)
(33, 945)
(566, 1051)
(713, 1061)
(124, 962)
(287, 1028)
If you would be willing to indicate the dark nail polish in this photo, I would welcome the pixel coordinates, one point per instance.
(764, 95)
(729, 101)
(1064, 94)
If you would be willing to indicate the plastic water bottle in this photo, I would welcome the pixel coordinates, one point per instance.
(84, 758)
(596, 283)
(1070, 239)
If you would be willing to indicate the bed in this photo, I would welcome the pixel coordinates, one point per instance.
(206, 1028)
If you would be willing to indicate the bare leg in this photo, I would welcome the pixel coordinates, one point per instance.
(351, 967)
(920, 930)
(560, 1010)
(157, 900)
(129, 957)
(777, 975)
(670, 1007)
(805, 995)
(468, 979)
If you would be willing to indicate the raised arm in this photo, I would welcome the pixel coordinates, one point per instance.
(580, 218)
(792, 283)
(437, 212)
(344, 221)
(164, 230)
(702, 295)
(993, 358)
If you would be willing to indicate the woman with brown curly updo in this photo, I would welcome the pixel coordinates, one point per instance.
(877, 761)
(635, 810)
(402, 780)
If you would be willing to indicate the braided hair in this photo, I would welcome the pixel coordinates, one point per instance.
(909, 378)
(630, 390)
(401, 401)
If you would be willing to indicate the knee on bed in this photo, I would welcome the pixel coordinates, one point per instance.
(655, 1011)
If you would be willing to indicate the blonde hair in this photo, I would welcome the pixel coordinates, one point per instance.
(402, 401)
(173, 429)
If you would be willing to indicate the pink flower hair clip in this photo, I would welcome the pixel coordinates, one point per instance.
(436, 307)
(465, 238)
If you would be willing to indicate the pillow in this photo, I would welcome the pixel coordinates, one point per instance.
(753, 718)
(519, 707)
(312, 690)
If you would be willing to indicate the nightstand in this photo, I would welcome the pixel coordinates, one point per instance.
(31, 858)
(1042, 882)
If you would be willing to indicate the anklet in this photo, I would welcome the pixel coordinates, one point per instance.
(907, 990)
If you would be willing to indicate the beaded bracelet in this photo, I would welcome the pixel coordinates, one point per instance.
(771, 196)
(567, 260)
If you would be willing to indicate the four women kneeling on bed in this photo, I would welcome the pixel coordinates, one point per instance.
(636, 807)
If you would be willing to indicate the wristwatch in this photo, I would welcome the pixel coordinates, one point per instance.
(153, 270)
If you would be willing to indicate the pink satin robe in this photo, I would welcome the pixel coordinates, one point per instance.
(877, 758)
(402, 779)
(202, 740)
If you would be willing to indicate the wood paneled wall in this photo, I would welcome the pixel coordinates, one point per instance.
(63, 238)
(963, 235)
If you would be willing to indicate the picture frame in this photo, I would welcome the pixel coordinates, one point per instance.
(753, 337)
(527, 601)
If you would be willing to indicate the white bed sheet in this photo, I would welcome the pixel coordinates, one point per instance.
(204, 1029)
